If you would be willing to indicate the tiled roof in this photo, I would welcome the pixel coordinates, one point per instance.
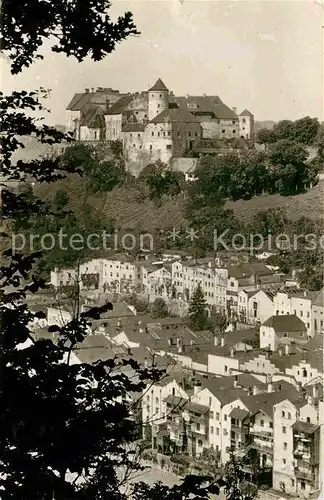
(285, 323)
(244, 380)
(93, 118)
(134, 127)
(224, 396)
(314, 358)
(175, 116)
(79, 101)
(120, 105)
(159, 85)
(94, 348)
(236, 336)
(314, 344)
(197, 408)
(301, 426)
(238, 413)
(265, 402)
(223, 112)
(228, 396)
(175, 400)
(319, 299)
(197, 103)
(206, 105)
(249, 269)
(246, 112)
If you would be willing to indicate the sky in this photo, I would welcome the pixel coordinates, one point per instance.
(266, 56)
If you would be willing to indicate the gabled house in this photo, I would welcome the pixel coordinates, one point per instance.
(255, 306)
(280, 330)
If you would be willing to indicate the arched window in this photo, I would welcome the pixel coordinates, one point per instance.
(200, 443)
(304, 372)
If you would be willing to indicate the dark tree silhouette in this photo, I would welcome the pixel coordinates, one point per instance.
(197, 310)
(66, 429)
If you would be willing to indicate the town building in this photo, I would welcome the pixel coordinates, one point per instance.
(85, 111)
(255, 306)
(187, 275)
(282, 329)
(317, 312)
(292, 301)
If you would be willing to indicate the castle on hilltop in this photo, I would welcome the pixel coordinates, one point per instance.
(155, 124)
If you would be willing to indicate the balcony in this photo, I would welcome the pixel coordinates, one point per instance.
(262, 448)
(306, 475)
(302, 453)
(262, 433)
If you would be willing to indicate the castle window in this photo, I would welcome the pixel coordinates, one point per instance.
(151, 147)
(169, 133)
(243, 128)
(152, 133)
(196, 134)
(244, 120)
(131, 135)
(168, 146)
(134, 145)
(223, 131)
(178, 134)
(159, 134)
(160, 95)
(189, 133)
(138, 135)
(234, 131)
(158, 105)
(233, 122)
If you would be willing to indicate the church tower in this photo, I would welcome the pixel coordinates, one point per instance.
(158, 99)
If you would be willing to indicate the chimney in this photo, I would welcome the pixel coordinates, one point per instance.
(315, 391)
(270, 388)
(209, 264)
(234, 110)
(305, 293)
(180, 348)
(107, 104)
(255, 390)
(145, 362)
(222, 341)
(92, 90)
(310, 400)
(197, 388)
(232, 352)
(235, 383)
(87, 91)
(141, 327)
(286, 349)
(216, 341)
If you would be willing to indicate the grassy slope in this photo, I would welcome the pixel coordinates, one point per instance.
(124, 206)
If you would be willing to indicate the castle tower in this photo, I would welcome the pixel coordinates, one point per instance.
(158, 99)
(246, 125)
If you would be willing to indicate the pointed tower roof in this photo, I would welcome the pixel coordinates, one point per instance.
(246, 112)
(159, 85)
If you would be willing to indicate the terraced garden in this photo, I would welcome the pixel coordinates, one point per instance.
(130, 212)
